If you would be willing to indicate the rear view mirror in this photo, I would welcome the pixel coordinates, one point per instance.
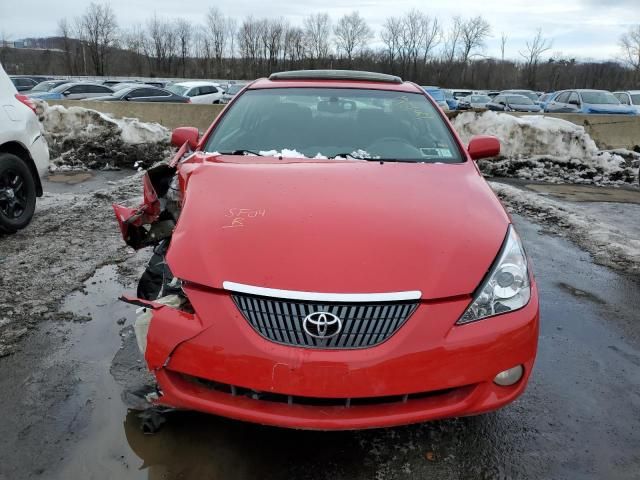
(483, 146)
(180, 135)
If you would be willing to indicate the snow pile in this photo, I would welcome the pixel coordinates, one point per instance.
(548, 149)
(609, 244)
(81, 138)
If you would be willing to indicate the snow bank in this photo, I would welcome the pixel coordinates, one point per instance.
(607, 243)
(548, 149)
(82, 138)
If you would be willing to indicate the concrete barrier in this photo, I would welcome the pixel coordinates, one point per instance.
(170, 115)
(608, 131)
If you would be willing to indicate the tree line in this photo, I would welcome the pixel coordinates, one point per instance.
(414, 45)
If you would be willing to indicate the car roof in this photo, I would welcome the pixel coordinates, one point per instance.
(633, 92)
(196, 84)
(335, 79)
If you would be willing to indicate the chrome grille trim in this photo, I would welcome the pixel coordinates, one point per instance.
(364, 325)
(321, 297)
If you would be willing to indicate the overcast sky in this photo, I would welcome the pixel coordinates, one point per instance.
(586, 29)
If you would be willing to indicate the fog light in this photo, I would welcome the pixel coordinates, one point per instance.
(509, 377)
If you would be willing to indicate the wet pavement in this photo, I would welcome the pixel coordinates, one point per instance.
(579, 418)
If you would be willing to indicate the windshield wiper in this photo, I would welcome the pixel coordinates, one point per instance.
(242, 152)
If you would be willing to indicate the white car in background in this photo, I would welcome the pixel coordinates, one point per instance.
(198, 92)
(24, 157)
(630, 97)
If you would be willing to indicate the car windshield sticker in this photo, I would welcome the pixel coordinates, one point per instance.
(437, 152)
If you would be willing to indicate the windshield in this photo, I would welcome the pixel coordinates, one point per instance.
(44, 86)
(233, 89)
(519, 100)
(328, 122)
(436, 94)
(635, 99)
(177, 89)
(61, 88)
(530, 95)
(601, 98)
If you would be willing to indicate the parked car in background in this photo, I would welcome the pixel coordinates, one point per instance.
(477, 102)
(24, 157)
(530, 94)
(512, 103)
(46, 86)
(328, 333)
(231, 91)
(588, 101)
(630, 97)
(450, 99)
(458, 94)
(23, 84)
(143, 93)
(545, 98)
(158, 83)
(438, 96)
(74, 91)
(198, 92)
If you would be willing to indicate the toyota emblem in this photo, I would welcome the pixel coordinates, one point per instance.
(322, 325)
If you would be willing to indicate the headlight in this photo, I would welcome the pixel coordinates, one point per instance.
(506, 288)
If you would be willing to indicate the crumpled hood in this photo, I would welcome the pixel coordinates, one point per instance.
(338, 227)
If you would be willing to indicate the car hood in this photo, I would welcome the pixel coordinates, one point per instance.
(600, 108)
(337, 226)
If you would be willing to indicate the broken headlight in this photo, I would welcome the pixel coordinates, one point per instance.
(506, 288)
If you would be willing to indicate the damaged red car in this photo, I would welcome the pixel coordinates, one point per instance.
(328, 256)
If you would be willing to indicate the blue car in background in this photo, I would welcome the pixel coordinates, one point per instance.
(438, 95)
(450, 99)
(588, 101)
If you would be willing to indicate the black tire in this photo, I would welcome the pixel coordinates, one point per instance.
(17, 193)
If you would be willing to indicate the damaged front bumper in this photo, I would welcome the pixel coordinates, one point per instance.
(215, 362)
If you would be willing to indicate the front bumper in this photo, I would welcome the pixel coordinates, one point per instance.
(216, 363)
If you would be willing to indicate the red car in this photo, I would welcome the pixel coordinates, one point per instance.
(328, 256)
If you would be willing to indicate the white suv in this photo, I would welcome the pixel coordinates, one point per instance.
(198, 92)
(24, 156)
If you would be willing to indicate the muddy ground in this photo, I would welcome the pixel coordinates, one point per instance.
(69, 355)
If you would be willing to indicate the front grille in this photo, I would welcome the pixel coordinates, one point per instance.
(363, 324)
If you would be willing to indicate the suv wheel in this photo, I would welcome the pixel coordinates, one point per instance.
(17, 194)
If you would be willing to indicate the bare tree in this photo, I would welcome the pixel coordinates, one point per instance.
(473, 34)
(98, 29)
(317, 33)
(532, 54)
(162, 43)
(183, 31)
(64, 30)
(503, 44)
(390, 36)
(218, 35)
(351, 34)
(452, 40)
(135, 41)
(432, 36)
(630, 45)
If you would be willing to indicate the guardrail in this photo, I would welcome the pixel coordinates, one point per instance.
(608, 131)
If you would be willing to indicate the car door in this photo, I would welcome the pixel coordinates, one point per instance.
(97, 91)
(558, 103)
(498, 103)
(151, 95)
(623, 97)
(75, 92)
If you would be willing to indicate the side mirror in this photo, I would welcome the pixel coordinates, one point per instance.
(483, 146)
(66, 93)
(574, 102)
(181, 135)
